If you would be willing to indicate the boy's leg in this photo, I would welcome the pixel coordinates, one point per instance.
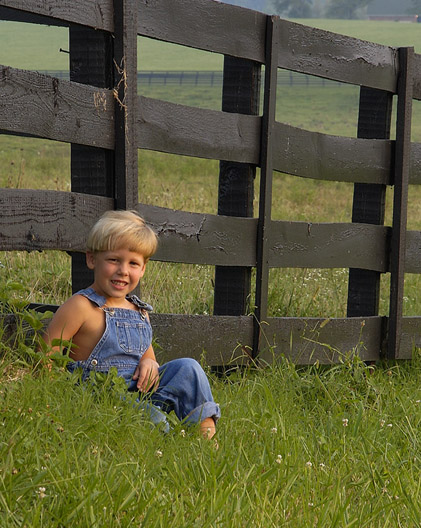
(184, 388)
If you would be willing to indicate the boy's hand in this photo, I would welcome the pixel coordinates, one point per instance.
(147, 375)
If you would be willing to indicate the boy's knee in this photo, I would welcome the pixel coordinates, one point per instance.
(186, 366)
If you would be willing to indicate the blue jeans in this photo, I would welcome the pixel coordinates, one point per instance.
(183, 388)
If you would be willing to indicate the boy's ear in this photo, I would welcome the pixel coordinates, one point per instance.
(143, 269)
(90, 260)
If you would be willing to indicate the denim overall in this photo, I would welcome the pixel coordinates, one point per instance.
(183, 385)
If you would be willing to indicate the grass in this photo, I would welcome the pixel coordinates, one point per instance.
(298, 447)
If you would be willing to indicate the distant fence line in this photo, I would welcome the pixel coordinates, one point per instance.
(207, 78)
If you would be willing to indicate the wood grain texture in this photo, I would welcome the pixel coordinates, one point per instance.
(43, 106)
(189, 131)
(219, 340)
(413, 252)
(306, 341)
(36, 220)
(334, 56)
(94, 13)
(307, 245)
(325, 157)
(197, 238)
(212, 26)
(410, 337)
(225, 340)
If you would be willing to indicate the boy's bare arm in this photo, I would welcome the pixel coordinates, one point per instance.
(146, 372)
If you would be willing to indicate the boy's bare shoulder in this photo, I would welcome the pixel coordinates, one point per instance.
(77, 302)
(74, 311)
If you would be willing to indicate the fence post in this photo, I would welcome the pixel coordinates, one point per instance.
(125, 88)
(400, 198)
(266, 170)
(92, 169)
(374, 118)
(240, 93)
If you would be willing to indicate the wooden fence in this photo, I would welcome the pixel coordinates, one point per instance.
(99, 112)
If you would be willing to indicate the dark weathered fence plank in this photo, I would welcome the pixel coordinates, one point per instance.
(266, 173)
(35, 220)
(197, 238)
(413, 252)
(240, 94)
(308, 245)
(375, 110)
(306, 341)
(337, 57)
(94, 13)
(210, 26)
(184, 130)
(325, 157)
(222, 340)
(400, 199)
(410, 337)
(51, 108)
(415, 164)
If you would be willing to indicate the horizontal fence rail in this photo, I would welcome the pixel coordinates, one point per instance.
(106, 122)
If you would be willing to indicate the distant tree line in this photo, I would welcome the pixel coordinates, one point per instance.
(348, 9)
(321, 9)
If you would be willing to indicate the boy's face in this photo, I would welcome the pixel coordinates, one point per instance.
(117, 272)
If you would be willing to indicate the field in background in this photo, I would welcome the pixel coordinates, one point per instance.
(191, 184)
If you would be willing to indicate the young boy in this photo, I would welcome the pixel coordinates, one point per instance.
(110, 328)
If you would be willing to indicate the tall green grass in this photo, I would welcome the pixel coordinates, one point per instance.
(297, 447)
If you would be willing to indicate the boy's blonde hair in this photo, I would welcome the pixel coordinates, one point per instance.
(122, 230)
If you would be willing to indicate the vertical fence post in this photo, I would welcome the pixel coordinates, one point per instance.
(240, 94)
(368, 207)
(400, 199)
(266, 169)
(125, 90)
(92, 169)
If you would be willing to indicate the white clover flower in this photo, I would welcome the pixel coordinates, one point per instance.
(382, 422)
(41, 492)
(345, 422)
(278, 459)
(322, 465)
(158, 453)
(183, 433)
(274, 430)
(309, 464)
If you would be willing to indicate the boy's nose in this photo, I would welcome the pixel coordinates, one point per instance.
(123, 269)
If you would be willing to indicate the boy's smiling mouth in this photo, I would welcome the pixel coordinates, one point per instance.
(119, 283)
